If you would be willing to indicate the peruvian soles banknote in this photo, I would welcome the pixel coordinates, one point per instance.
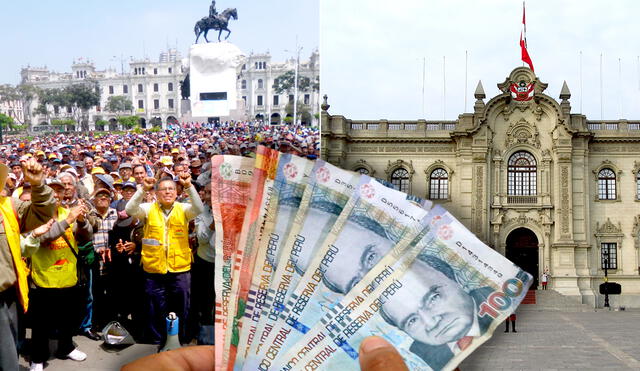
(289, 185)
(375, 219)
(264, 172)
(230, 186)
(328, 190)
(436, 304)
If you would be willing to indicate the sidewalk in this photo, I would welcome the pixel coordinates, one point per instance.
(546, 340)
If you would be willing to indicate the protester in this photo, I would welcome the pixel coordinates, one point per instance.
(544, 279)
(166, 255)
(54, 277)
(18, 217)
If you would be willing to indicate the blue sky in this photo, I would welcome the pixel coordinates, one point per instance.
(54, 33)
(372, 54)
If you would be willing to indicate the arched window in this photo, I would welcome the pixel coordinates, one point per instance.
(606, 184)
(260, 84)
(638, 185)
(522, 174)
(439, 184)
(400, 179)
(362, 170)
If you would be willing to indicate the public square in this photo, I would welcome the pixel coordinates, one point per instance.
(546, 340)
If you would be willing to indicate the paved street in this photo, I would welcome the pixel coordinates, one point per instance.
(545, 340)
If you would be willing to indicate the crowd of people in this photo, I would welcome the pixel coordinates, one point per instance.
(115, 228)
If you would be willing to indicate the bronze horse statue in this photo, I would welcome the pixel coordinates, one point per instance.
(220, 23)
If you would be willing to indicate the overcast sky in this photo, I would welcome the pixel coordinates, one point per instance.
(372, 54)
(54, 33)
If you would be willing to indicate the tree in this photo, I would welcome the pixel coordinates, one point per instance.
(6, 121)
(285, 83)
(128, 122)
(82, 98)
(22, 93)
(118, 103)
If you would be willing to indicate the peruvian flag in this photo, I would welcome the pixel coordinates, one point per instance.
(523, 41)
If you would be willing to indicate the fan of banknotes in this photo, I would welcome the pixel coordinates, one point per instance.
(311, 259)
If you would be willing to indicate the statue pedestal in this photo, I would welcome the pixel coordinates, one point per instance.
(213, 77)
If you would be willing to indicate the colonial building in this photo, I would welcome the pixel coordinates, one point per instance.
(262, 102)
(547, 188)
(13, 109)
(154, 89)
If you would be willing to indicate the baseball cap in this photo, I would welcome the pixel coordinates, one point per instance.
(166, 160)
(97, 170)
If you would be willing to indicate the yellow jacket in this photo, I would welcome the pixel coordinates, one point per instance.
(165, 244)
(12, 230)
(54, 266)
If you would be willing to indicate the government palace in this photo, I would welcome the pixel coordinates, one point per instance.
(549, 189)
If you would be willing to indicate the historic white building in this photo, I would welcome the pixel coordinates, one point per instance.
(154, 89)
(548, 188)
(261, 102)
(14, 110)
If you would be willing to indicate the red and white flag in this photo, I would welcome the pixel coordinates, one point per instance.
(523, 41)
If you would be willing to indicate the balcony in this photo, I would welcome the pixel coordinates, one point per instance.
(522, 200)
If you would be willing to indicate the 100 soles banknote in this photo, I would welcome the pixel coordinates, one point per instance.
(366, 231)
(435, 304)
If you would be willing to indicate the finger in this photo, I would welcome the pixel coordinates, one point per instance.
(188, 358)
(378, 355)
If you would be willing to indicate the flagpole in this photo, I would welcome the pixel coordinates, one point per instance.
(466, 59)
(601, 102)
(620, 106)
(580, 81)
(424, 66)
(444, 87)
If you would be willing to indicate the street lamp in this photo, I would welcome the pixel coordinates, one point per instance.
(606, 278)
(295, 83)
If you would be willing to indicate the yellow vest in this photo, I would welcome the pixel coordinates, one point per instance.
(165, 245)
(12, 230)
(54, 266)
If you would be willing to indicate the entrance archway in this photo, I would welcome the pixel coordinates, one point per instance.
(522, 250)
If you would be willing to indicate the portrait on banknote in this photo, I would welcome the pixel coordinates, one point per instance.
(436, 311)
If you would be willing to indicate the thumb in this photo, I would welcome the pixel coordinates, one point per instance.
(376, 354)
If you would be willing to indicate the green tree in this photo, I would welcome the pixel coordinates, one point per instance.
(118, 104)
(22, 93)
(128, 122)
(285, 83)
(82, 98)
(6, 121)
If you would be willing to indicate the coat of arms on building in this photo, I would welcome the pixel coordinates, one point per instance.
(522, 85)
(522, 91)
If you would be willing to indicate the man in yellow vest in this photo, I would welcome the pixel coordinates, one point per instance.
(18, 217)
(166, 255)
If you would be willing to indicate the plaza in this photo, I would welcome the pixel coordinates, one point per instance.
(546, 340)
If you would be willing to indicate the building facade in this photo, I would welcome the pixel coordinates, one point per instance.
(13, 109)
(154, 90)
(255, 85)
(547, 188)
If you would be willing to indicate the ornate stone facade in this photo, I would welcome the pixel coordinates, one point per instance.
(515, 165)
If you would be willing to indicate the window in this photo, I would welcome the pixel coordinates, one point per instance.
(155, 87)
(260, 84)
(439, 185)
(155, 71)
(156, 104)
(276, 100)
(606, 184)
(608, 255)
(170, 103)
(306, 98)
(244, 66)
(170, 86)
(259, 100)
(110, 89)
(140, 104)
(244, 84)
(362, 170)
(290, 98)
(144, 71)
(256, 65)
(139, 88)
(522, 173)
(244, 100)
(400, 180)
(125, 89)
(170, 70)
